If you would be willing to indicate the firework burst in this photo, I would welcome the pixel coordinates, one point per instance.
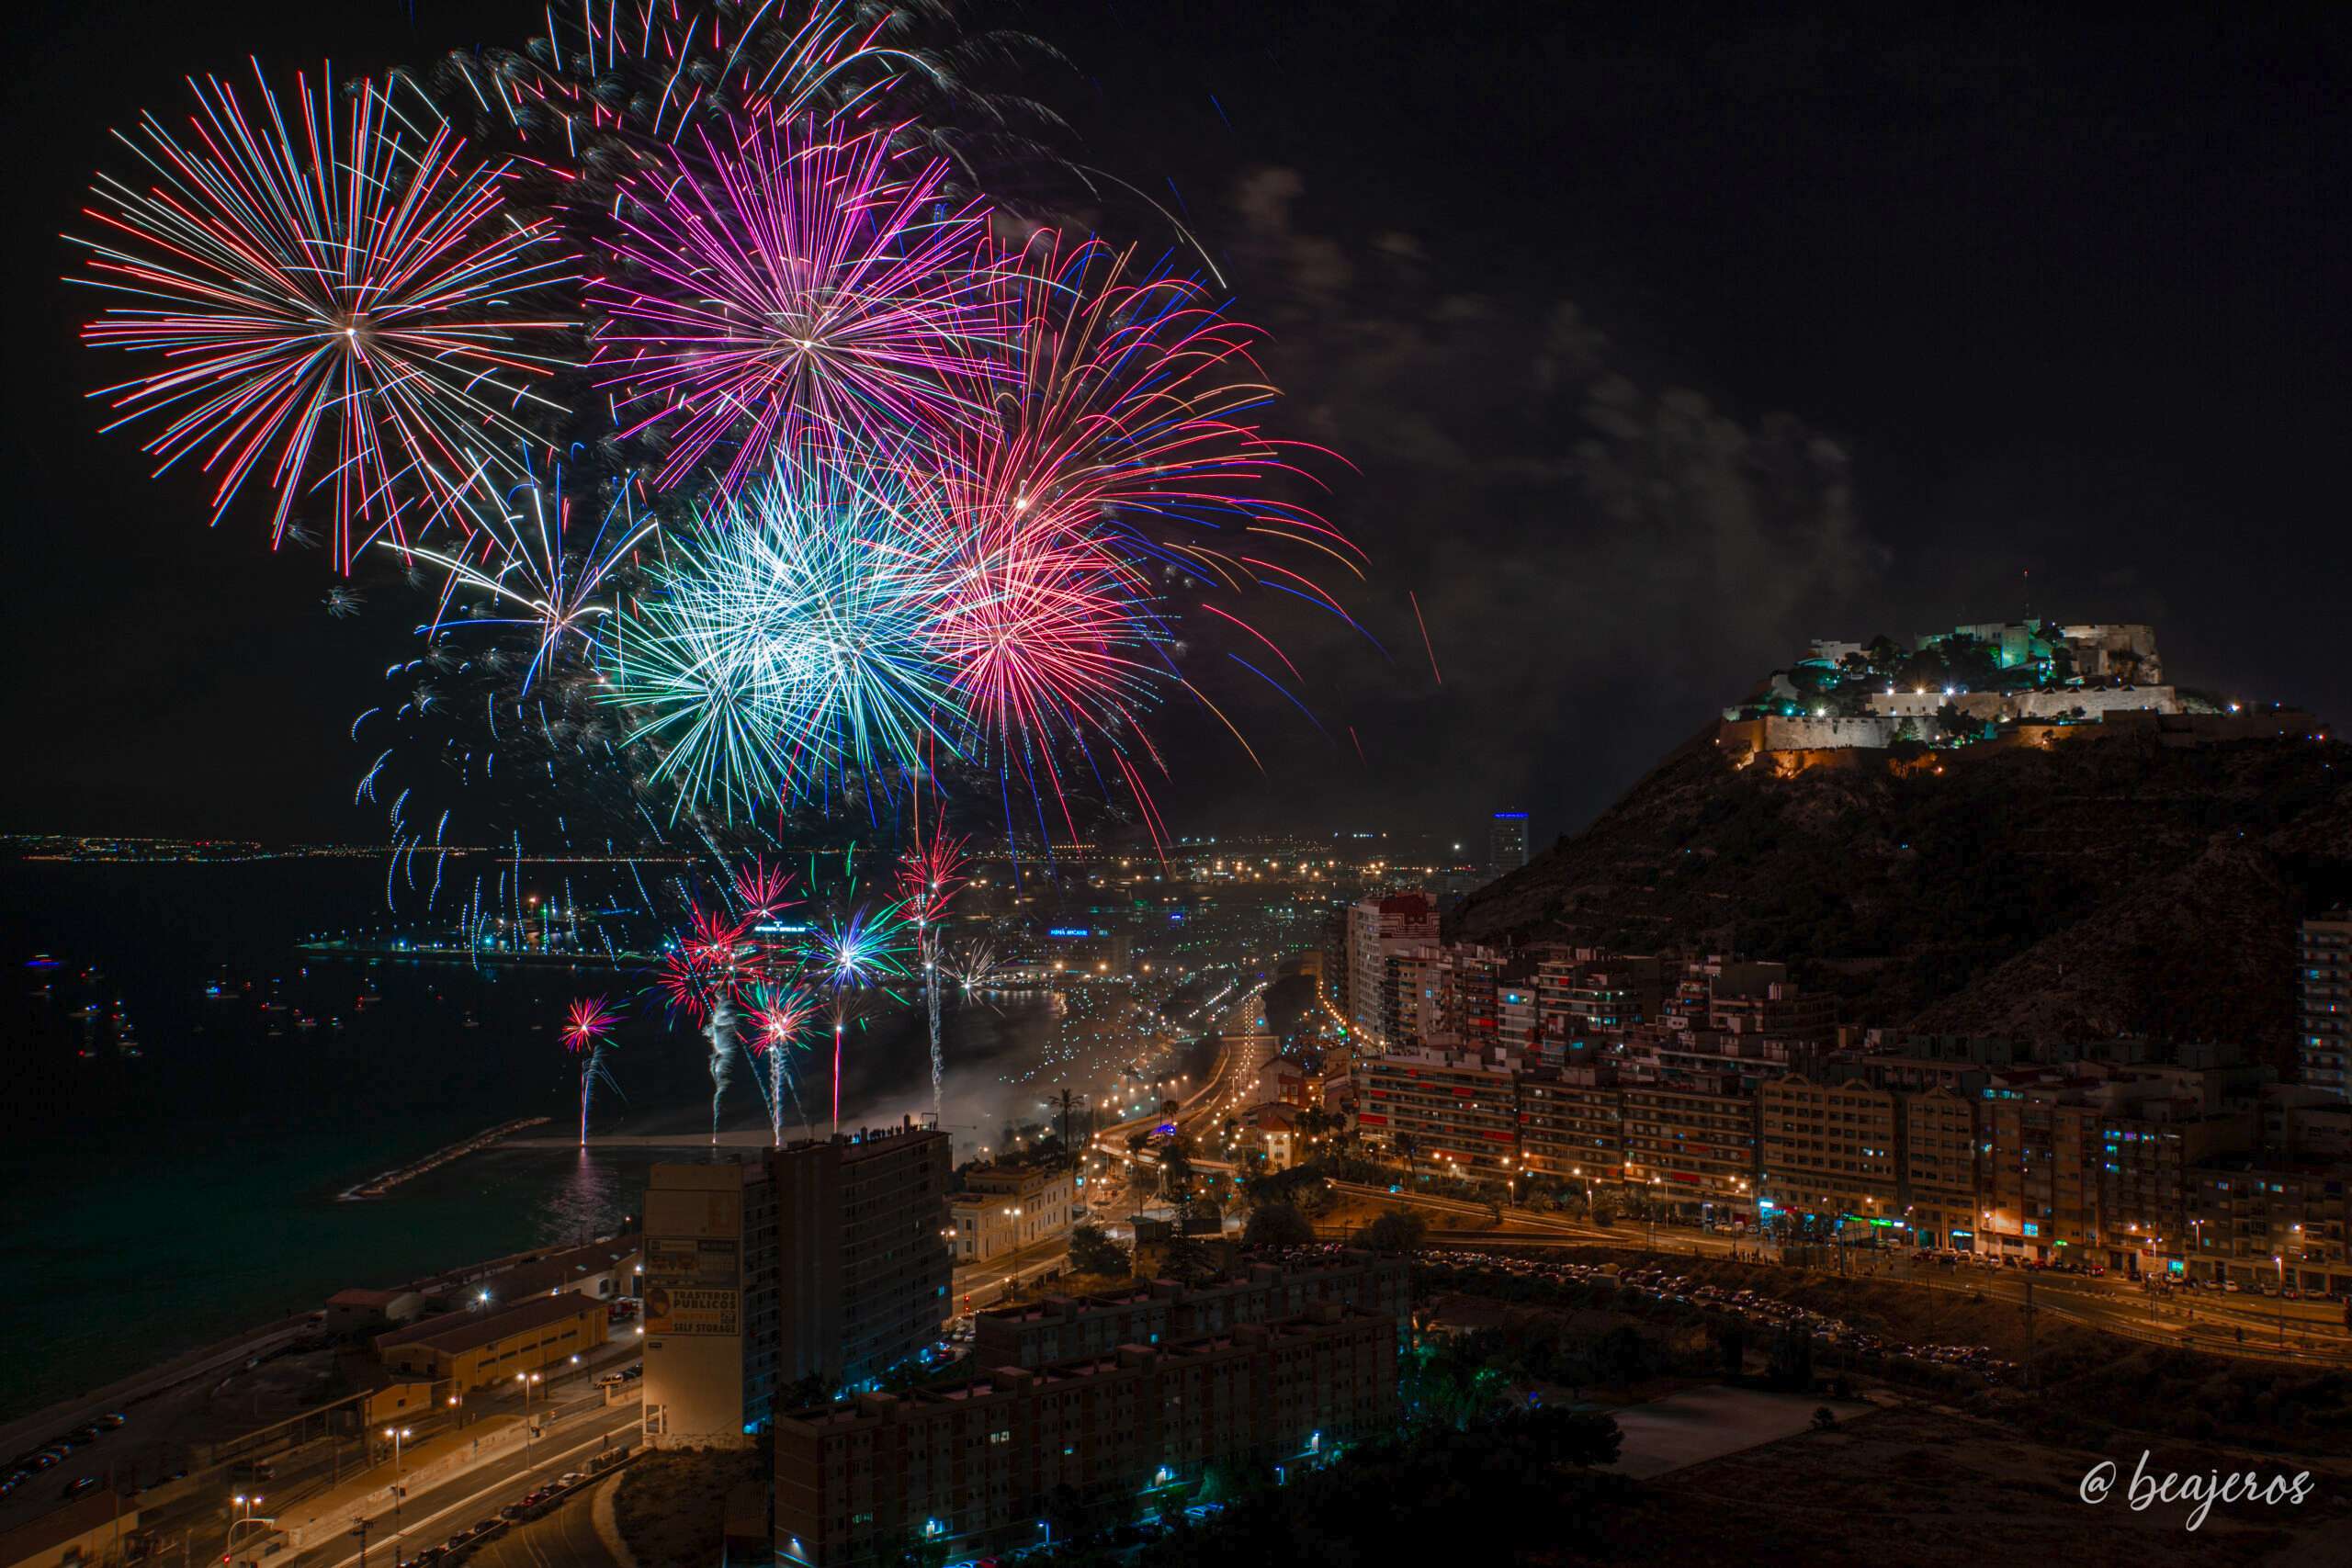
(784, 644)
(331, 303)
(788, 279)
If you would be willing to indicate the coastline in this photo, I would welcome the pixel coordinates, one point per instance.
(378, 1186)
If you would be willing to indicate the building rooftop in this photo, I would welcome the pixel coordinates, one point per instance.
(452, 1332)
(356, 1297)
(560, 1269)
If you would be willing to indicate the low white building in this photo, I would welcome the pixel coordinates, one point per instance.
(1005, 1208)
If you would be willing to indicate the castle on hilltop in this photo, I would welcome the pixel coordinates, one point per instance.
(2008, 683)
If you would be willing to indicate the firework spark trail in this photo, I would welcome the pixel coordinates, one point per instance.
(294, 277)
(781, 1014)
(1427, 647)
(929, 873)
(530, 563)
(587, 1028)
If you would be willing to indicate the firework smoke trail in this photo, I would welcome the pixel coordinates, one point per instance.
(928, 876)
(720, 1033)
(296, 277)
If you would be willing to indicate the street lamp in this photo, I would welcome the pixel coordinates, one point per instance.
(246, 1515)
(2280, 1259)
(399, 1435)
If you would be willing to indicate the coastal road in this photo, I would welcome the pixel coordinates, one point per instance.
(577, 1534)
(979, 1285)
(432, 1515)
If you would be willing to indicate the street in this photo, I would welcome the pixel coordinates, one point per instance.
(2118, 1305)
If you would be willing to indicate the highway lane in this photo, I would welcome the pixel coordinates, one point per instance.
(565, 1538)
(2203, 1320)
(432, 1515)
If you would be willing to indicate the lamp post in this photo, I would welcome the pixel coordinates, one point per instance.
(2280, 1259)
(244, 1516)
(399, 1435)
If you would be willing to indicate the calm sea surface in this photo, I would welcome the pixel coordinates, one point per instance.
(150, 1204)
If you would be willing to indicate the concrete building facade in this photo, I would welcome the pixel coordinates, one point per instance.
(1005, 1208)
(973, 1467)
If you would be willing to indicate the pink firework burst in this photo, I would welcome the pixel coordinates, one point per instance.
(762, 891)
(588, 1023)
(792, 278)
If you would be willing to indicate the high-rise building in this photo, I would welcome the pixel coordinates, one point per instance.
(1378, 928)
(1507, 841)
(827, 1259)
(2324, 1028)
(862, 1256)
(697, 1369)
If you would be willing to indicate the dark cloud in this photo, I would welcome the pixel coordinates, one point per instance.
(1603, 555)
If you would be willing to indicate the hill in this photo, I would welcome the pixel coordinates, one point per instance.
(2106, 886)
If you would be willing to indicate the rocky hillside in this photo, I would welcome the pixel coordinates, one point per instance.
(2103, 886)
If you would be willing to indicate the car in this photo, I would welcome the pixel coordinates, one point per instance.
(611, 1379)
(87, 1483)
(2292, 1293)
(512, 1511)
(114, 1421)
(2230, 1286)
(85, 1434)
(486, 1527)
(570, 1478)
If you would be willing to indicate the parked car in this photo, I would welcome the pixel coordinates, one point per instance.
(78, 1488)
(114, 1421)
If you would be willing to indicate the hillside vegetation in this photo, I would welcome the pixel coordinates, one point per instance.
(2103, 886)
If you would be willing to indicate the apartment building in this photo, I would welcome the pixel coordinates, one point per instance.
(1572, 1124)
(2263, 1223)
(974, 1466)
(1261, 1290)
(1939, 1147)
(1442, 1111)
(2323, 997)
(1692, 1144)
(1829, 1152)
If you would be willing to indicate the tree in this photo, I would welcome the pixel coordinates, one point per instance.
(1731, 1343)
(1093, 1252)
(1396, 1230)
(1791, 1360)
(1277, 1225)
(1186, 1259)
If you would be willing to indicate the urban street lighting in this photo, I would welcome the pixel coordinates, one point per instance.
(399, 1435)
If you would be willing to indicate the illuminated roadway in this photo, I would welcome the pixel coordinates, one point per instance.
(2199, 1320)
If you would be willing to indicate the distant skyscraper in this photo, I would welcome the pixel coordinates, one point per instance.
(2324, 1032)
(1507, 840)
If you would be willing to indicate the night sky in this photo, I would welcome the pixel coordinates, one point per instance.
(1662, 339)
